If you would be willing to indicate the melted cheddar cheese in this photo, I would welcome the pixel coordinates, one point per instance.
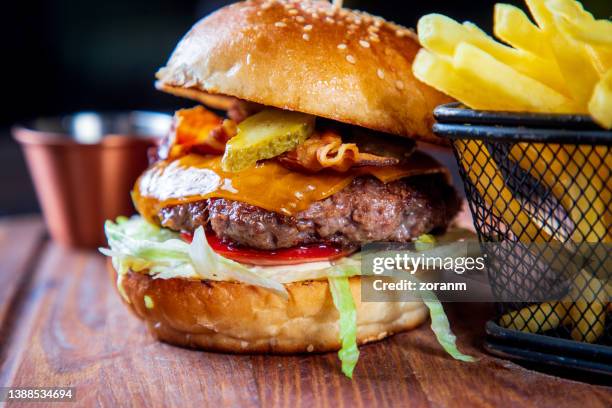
(269, 185)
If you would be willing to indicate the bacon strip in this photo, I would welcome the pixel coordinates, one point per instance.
(197, 130)
(326, 151)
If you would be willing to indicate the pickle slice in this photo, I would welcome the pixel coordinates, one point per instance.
(265, 135)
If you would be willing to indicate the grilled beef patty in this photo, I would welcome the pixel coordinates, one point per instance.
(365, 211)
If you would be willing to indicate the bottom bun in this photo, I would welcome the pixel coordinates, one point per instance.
(239, 318)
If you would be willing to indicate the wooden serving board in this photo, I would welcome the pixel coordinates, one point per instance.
(62, 324)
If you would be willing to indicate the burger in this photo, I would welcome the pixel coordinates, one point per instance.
(255, 206)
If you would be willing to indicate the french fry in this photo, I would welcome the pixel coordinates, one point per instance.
(584, 309)
(587, 312)
(543, 165)
(563, 64)
(596, 35)
(442, 35)
(570, 9)
(476, 161)
(600, 105)
(577, 67)
(573, 57)
(439, 73)
(512, 26)
(601, 57)
(593, 32)
(525, 93)
(541, 15)
(536, 318)
(572, 182)
(565, 54)
(588, 193)
(580, 24)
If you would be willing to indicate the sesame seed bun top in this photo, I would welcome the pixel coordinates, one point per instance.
(310, 57)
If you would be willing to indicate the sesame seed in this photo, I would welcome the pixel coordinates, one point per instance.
(399, 84)
(329, 20)
(308, 27)
(351, 59)
(314, 15)
(293, 12)
(266, 6)
(259, 13)
(352, 27)
(299, 19)
(380, 73)
(306, 37)
(373, 29)
(374, 38)
(400, 33)
(310, 348)
(364, 44)
(342, 46)
(280, 24)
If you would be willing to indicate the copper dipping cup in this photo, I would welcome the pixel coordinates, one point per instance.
(84, 166)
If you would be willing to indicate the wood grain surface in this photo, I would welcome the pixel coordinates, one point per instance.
(64, 325)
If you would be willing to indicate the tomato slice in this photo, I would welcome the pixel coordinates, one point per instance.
(286, 256)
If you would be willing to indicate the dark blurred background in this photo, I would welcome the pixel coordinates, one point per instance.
(61, 56)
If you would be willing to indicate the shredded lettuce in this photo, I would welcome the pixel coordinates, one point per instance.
(424, 242)
(442, 330)
(208, 261)
(137, 245)
(347, 266)
(343, 300)
(441, 326)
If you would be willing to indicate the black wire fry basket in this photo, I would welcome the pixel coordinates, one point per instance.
(540, 193)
